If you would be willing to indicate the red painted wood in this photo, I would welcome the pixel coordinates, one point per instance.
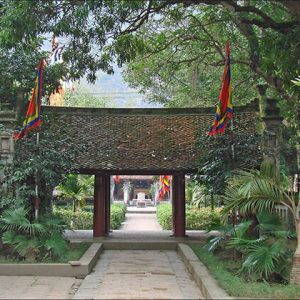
(107, 205)
(99, 227)
(178, 205)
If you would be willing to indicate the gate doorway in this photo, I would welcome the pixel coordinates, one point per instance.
(102, 201)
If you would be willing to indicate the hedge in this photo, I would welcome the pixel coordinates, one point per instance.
(196, 218)
(84, 219)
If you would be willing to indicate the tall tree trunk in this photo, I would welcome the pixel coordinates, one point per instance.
(295, 274)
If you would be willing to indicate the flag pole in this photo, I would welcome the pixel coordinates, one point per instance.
(232, 145)
(36, 196)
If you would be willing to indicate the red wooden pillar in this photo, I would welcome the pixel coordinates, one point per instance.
(107, 206)
(178, 205)
(100, 206)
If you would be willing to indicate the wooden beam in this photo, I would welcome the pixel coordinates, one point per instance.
(135, 171)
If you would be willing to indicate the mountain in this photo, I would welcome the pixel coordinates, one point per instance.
(115, 91)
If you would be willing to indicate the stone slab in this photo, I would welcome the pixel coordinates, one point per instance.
(207, 284)
(136, 274)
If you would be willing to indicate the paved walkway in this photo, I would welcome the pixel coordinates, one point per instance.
(119, 274)
(42, 287)
(139, 274)
(140, 222)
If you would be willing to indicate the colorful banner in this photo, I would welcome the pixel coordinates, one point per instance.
(33, 115)
(224, 109)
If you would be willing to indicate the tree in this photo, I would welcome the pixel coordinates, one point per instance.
(186, 37)
(50, 163)
(108, 30)
(76, 188)
(257, 190)
(222, 155)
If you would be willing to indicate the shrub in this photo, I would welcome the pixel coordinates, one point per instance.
(84, 219)
(75, 220)
(202, 218)
(117, 215)
(196, 218)
(164, 215)
(37, 239)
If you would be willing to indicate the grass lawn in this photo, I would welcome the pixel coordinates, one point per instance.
(224, 271)
(74, 252)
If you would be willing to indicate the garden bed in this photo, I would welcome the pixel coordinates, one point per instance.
(72, 264)
(73, 252)
(223, 267)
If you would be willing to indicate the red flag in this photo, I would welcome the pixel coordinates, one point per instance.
(224, 109)
(33, 115)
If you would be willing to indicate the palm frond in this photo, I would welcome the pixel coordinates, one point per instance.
(56, 244)
(214, 243)
(24, 245)
(263, 258)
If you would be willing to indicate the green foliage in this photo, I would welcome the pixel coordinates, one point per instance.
(75, 220)
(183, 58)
(202, 219)
(296, 81)
(177, 49)
(32, 239)
(50, 163)
(236, 285)
(117, 215)
(262, 257)
(76, 188)
(196, 219)
(222, 154)
(84, 219)
(195, 194)
(257, 190)
(164, 215)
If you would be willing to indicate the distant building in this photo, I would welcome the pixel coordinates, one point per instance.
(138, 183)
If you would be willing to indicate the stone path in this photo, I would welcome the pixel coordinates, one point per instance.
(119, 274)
(139, 274)
(140, 222)
(33, 287)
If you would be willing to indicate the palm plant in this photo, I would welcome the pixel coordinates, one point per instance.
(76, 188)
(264, 256)
(268, 254)
(254, 191)
(227, 232)
(32, 239)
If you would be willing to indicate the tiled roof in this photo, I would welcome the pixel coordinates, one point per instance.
(141, 141)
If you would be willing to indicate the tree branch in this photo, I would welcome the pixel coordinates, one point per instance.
(266, 22)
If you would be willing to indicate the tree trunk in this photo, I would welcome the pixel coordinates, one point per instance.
(295, 274)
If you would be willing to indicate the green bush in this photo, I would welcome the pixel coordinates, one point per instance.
(164, 215)
(117, 215)
(202, 218)
(84, 219)
(75, 220)
(196, 218)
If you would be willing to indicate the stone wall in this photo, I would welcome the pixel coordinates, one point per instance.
(7, 123)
